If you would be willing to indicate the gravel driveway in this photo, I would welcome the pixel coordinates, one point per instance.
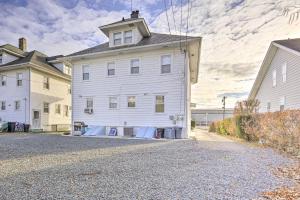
(35, 166)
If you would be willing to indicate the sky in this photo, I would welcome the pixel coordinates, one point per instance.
(236, 33)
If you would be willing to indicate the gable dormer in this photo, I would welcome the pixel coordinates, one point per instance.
(9, 53)
(127, 31)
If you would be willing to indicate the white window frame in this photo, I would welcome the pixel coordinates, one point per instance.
(3, 105)
(57, 109)
(19, 78)
(283, 72)
(66, 110)
(110, 103)
(89, 103)
(3, 80)
(46, 106)
(117, 39)
(132, 66)
(85, 72)
(274, 78)
(131, 104)
(128, 37)
(156, 104)
(111, 67)
(46, 83)
(282, 103)
(162, 65)
(17, 104)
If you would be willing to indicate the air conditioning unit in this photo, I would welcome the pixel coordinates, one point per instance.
(89, 110)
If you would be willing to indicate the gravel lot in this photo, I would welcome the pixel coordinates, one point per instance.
(35, 166)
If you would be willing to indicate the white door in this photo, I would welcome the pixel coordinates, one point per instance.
(36, 119)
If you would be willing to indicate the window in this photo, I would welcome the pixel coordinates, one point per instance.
(17, 105)
(269, 106)
(282, 103)
(66, 110)
(159, 104)
(165, 64)
(46, 84)
(57, 108)
(111, 69)
(283, 70)
(135, 66)
(89, 103)
(85, 72)
(68, 70)
(128, 37)
(274, 78)
(36, 114)
(113, 102)
(3, 80)
(46, 107)
(69, 90)
(3, 105)
(117, 38)
(19, 79)
(131, 101)
(1, 59)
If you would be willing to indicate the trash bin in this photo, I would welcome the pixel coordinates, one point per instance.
(26, 128)
(178, 133)
(159, 133)
(169, 133)
(11, 126)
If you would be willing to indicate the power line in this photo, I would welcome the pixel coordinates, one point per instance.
(173, 16)
(187, 24)
(180, 25)
(167, 16)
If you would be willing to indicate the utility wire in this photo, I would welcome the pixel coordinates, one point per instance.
(180, 25)
(187, 24)
(173, 16)
(167, 16)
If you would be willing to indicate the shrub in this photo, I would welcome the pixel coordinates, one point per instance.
(193, 124)
(212, 127)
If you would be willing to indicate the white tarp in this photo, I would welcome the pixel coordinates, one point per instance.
(141, 132)
(95, 131)
(150, 133)
(145, 132)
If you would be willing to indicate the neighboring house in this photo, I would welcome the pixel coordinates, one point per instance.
(204, 117)
(277, 85)
(136, 79)
(34, 88)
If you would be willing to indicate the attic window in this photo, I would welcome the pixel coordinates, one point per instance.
(128, 37)
(117, 38)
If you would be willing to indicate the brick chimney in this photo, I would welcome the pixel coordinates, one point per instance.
(135, 14)
(22, 44)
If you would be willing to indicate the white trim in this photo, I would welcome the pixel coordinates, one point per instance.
(286, 48)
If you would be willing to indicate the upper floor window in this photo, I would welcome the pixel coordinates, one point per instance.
(165, 64)
(111, 69)
(131, 102)
(128, 37)
(135, 66)
(160, 104)
(117, 38)
(85, 72)
(46, 107)
(17, 105)
(89, 103)
(46, 84)
(282, 103)
(113, 102)
(283, 71)
(274, 75)
(57, 108)
(3, 80)
(19, 79)
(3, 105)
(68, 69)
(66, 110)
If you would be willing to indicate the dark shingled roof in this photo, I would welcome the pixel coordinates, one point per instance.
(36, 58)
(155, 38)
(293, 44)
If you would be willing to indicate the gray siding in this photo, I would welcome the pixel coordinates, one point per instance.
(290, 89)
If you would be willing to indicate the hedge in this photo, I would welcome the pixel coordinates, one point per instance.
(280, 130)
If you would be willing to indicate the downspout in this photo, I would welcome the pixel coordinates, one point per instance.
(29, 97)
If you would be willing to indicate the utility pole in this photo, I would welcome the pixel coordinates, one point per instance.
(224, 104)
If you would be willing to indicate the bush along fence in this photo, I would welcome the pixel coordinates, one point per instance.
(280, 130)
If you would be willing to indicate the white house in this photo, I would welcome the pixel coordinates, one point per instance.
(277, 85)
(136, 79)
(34, 88)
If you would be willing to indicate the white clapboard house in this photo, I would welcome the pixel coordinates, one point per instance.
(277, 85)
(34, 88)
(137, 79)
